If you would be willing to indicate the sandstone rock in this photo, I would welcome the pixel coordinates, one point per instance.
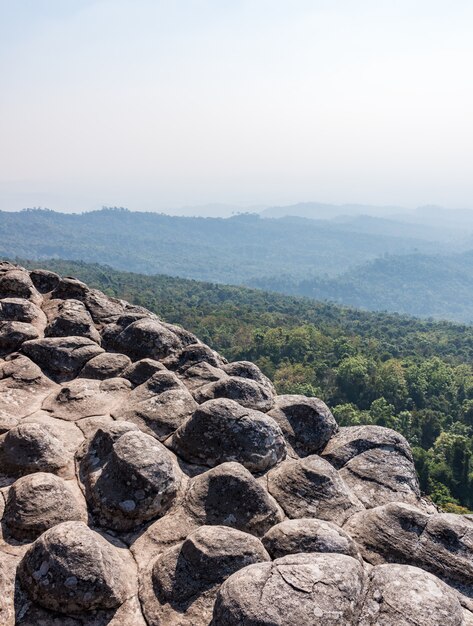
(231, 433)
(400, 595)
(8, 568)
(298, 589)
(230, 495)
(246, 392)
(61, 357)
(31, 447)
(350, 441)
(191, 355)
(199, 375)
(44, 280)
(22, 390)
(311, 487)
(70, 288)
(38, 502)
(185, 579)
(379, 476)
(308, 535)
(21, 310)
(147, 338)
(246, 369)
(129, 478)
(105, 365)
(13, 334)
(84, 397)
(140, 371)
(71, 569)
(307, 423)
(16, 283)
(158, 406)
(71, 320)
(440, 543)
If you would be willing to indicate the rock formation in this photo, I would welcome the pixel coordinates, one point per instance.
(145, 481)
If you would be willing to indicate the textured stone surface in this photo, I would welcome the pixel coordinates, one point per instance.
(40, 501)
(129, 478)
(182, 583)
(231, 433)
(311, 487)
(307, 423)
(399, 595)
(23, 387)
(84, 397)
(245, 391)
(71, 569)
(158, 406)
(32, 447)
(441, 543)
(144, 482)
(296, 589)
(308, 535)
(62, 358)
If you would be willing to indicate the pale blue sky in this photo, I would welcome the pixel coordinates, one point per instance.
(155, 104)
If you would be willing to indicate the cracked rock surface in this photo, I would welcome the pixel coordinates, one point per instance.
(146, 481)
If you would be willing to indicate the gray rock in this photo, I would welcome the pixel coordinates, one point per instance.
(158, 406)
(400, 595)
(231, 433)
(191, 355)
(185, 579)
(308, 535)
(16, 283)
(246, 392)
(307, 423)
(128, 479)
(38, 502)
(199, 375)
(44, 280)
(61, 357)
(21, 310)
(379, 476)
(350, 441)
(85, 397)
(71, 569)
(13, 334)
(231, 496)
(298, 589)
(440, 543)
(23, 388)
(71, 320)
(140, 371)
(105, 365)
(147, 338)
(311, 487)
(246, 369)
(31, 447)
(102, 308)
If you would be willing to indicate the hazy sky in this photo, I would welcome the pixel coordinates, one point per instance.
(155, 104)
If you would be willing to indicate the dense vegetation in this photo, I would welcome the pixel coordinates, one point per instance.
(412, 375)
(426, 286)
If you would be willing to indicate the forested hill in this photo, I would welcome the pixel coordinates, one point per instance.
(423, 285)
(233, 250)
(413, 375)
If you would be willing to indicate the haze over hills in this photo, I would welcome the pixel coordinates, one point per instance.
(366, 261)
(233, 250)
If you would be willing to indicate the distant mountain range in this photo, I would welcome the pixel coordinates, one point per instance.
(233, 250)
(376, 263)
